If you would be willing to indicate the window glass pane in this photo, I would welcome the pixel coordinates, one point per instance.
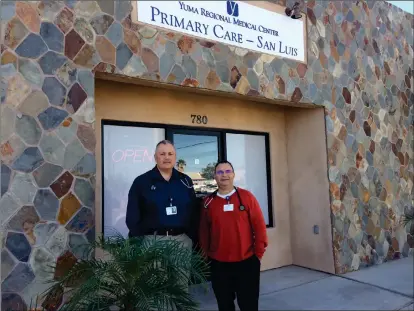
(247, 153)
(128, 151)
(196, 156)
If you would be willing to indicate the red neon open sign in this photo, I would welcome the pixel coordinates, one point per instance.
(134, 155)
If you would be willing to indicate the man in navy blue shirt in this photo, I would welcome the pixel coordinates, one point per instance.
(162, 201)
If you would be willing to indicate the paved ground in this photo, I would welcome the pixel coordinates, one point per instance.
(388, 286)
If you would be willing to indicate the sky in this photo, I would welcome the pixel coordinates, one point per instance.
(407, 5)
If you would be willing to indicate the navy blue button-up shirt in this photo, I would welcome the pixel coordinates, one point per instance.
(150, 195)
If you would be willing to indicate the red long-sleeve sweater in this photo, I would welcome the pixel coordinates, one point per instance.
(230, 236)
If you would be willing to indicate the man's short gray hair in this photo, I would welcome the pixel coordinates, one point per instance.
(164, 142)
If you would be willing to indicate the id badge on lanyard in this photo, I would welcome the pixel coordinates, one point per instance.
(171, 210)
(228, 207)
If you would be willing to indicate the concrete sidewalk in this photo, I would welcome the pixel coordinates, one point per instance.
(385, 287)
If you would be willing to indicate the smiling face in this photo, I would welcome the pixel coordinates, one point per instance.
(165, 156)
(224, 176)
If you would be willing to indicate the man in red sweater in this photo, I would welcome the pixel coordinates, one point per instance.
(233, 236)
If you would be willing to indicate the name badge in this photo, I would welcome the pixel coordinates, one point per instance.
(228, 207)
(171, 210)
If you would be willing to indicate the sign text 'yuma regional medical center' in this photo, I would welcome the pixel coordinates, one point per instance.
(235, 23)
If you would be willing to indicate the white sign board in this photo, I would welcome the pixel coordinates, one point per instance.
(230, 22)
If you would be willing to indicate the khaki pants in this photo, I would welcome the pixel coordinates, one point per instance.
(186, 242)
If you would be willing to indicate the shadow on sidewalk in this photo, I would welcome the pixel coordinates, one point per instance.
(388, 286)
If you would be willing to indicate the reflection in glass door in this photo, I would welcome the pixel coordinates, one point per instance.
(197, 154)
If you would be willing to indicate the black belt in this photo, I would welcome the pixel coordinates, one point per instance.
(164, 231)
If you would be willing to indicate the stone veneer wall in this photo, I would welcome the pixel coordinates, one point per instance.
(359, 68)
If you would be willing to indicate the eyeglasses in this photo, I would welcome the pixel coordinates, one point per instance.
(220, 172)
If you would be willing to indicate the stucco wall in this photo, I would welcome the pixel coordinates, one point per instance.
(359, 68)
(156, 104)
(308, 189)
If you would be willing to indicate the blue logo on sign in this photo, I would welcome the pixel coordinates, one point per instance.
(233, 8)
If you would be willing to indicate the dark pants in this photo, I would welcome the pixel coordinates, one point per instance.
(236, 279)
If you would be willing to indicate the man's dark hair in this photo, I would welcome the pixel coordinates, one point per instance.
(223, 162)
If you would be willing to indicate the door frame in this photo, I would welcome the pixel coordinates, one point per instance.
(171, 130)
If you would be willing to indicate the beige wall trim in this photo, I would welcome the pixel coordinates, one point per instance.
(188, 89)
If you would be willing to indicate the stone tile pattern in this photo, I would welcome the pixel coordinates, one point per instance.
(359, 69)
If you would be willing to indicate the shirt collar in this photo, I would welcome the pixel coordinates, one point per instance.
(156, 174)
(227, 195)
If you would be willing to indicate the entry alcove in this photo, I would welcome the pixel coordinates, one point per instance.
(295, 165)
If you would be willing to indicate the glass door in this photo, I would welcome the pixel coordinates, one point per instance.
(197, 154)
